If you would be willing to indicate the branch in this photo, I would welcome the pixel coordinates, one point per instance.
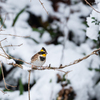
(43, 7)
(3, 39)
(3, 92)
(3, 23)
(45, 67)
(3, 50)
(4, 78)
(61, 67)
(4, 56)
(13, 45)
(54, 68)
(15, 35)
(8, 56)
(91, 6)
(29, 85)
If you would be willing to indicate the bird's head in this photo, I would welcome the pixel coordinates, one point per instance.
(43, 52)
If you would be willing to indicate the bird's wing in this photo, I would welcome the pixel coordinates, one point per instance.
(34, 58)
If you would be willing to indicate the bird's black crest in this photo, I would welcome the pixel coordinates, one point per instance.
(44, 49)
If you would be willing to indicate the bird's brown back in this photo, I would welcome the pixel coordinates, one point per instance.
(34, 58)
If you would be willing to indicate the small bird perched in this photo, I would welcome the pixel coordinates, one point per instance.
(39, 58)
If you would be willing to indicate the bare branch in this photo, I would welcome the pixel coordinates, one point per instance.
(29, 85)
(8, 56)
(10, 85)
(43, 7)
(3, 39)
(56, 68)
(4, 78)
(3, 92)
(4, 50)
(3, 23)
(19, 60)
(15, 35)
(91, 6)
(61, 67)
(16, 65)
(13, 45)
(4, 56)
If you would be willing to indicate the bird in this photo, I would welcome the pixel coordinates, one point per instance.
(39, 58)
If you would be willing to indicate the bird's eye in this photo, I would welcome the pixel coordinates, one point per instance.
(41, 52)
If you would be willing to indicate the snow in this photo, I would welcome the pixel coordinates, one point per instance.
(93, 29)
(97, 1)
(26, 68)
(46, 37)
(10, 61)
(97, 91)
(2, 59)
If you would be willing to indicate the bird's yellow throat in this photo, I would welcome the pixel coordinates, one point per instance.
(44, 55)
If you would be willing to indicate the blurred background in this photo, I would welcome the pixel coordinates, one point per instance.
(64, 34)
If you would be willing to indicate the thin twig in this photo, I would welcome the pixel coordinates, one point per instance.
(19, 60)
(4, 78)
(43, 7)
(3, 92)
(4, 56)
(10, 85)
(4, 50)
(91, 6)
(16, 65)
(15, 35)
(3, 39)
(29, 85)
(3, 23)
(11, 56)
(13, 45)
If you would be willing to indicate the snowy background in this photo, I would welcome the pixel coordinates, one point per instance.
(70, 31)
